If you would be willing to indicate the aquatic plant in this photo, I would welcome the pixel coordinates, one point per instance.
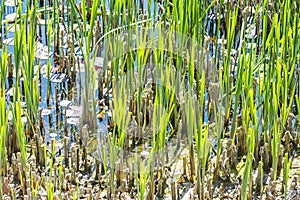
(85, 41)
(16, 110)
(3, 134)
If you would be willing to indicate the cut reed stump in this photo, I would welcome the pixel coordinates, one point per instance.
(66, 151)
(173, 190)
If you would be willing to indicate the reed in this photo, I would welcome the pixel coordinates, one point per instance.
(29, 79)
(3, 131)
(286, 174)
(16, 109)
(247, 181)
(4, 112)
(85, 41)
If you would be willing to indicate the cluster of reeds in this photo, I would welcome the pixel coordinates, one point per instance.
(255, 86)
(218, 80)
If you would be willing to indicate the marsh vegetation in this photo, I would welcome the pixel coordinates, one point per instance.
(157, 99)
